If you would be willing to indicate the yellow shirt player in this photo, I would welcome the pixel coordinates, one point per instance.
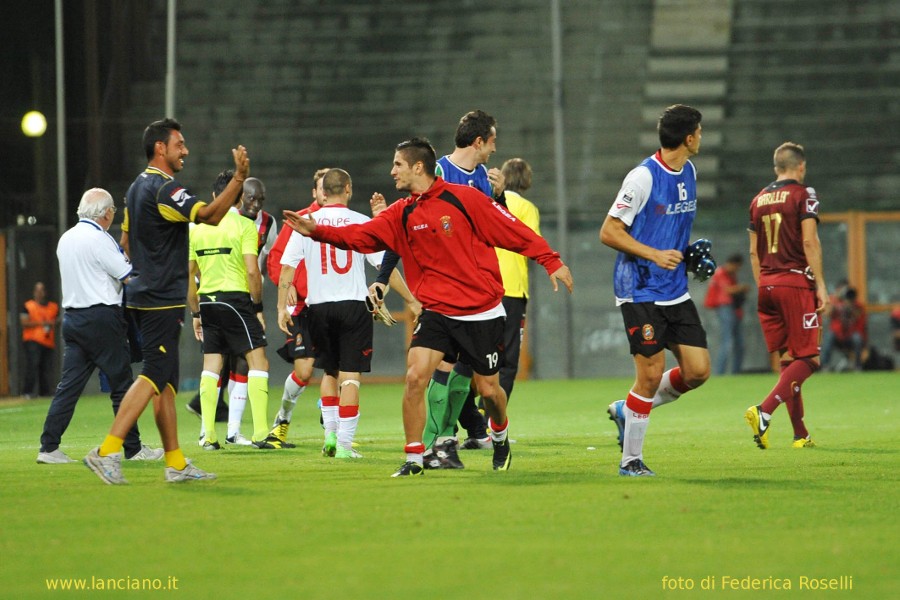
(227, 311)
(514, 269)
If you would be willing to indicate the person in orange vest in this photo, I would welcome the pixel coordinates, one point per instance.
(38, 319)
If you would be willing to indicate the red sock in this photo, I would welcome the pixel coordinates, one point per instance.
(789, 383)
(297, 380)
(331, 401)
(414, 448)
(637, 404)
(795, 410)
(348, 412)
(677, 382)
(498, 428)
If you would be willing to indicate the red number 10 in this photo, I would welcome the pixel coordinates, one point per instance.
(334, 264)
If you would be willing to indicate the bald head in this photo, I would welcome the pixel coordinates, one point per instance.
(253, 198)
(337, 186)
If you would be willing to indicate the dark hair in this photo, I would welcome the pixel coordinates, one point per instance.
(676, 123)
(517, 173)
(473, 125)
(419, 150)
(334, 181)
(788, 157)
(158, 131)
(222, 181)
(736, 259)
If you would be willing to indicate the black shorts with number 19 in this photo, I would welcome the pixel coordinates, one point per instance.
(475, 343)
(229, 324)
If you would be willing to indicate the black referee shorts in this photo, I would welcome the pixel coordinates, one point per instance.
(229, 324)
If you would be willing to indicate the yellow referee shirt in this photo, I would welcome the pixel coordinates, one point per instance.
(219, 252)
(514, 267)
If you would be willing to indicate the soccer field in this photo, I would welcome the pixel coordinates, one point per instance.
(721, 514)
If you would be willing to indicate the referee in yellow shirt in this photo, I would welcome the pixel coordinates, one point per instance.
(227, 317)
(514, 269)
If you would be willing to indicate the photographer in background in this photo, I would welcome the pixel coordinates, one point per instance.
(726, 296)
(847, 328)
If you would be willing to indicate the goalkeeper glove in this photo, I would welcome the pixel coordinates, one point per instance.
(375, 305)
(699, 261)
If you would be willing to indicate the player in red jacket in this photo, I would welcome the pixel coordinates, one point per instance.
(446, 235)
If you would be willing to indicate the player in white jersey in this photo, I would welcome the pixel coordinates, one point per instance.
(339, 322)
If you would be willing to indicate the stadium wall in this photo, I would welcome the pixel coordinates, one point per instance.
(306, 83)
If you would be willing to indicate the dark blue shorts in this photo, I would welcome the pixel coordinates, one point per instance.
(160, 330)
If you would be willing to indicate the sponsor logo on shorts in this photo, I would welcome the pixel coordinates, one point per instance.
(418, 327)
(647, 331)
(367, 352)
(446, 225)
(631, 330)
(810, 321)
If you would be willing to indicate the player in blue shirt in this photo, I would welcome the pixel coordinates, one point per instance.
(650, 225)
(476, 140)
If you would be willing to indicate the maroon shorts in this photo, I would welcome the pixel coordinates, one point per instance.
(789, 320)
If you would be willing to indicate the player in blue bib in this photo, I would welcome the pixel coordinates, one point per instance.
(650, 225)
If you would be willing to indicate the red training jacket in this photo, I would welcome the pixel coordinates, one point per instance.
(446, 238)
(273, 261)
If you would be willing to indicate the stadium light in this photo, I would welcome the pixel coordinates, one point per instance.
(34, 124)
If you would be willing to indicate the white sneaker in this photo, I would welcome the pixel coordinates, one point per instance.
(188, 473)
(57, 457)
(148, 453)
(238, 440)
(476, 443)
(107, 468)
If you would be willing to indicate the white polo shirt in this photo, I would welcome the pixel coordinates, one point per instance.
(91, 266)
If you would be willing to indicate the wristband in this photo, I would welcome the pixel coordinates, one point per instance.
(196, 315)
(257, 307)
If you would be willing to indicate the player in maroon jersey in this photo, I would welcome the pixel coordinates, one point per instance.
(786, 257)
(443, 230)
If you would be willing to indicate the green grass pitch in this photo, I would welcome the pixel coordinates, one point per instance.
(560, 524)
